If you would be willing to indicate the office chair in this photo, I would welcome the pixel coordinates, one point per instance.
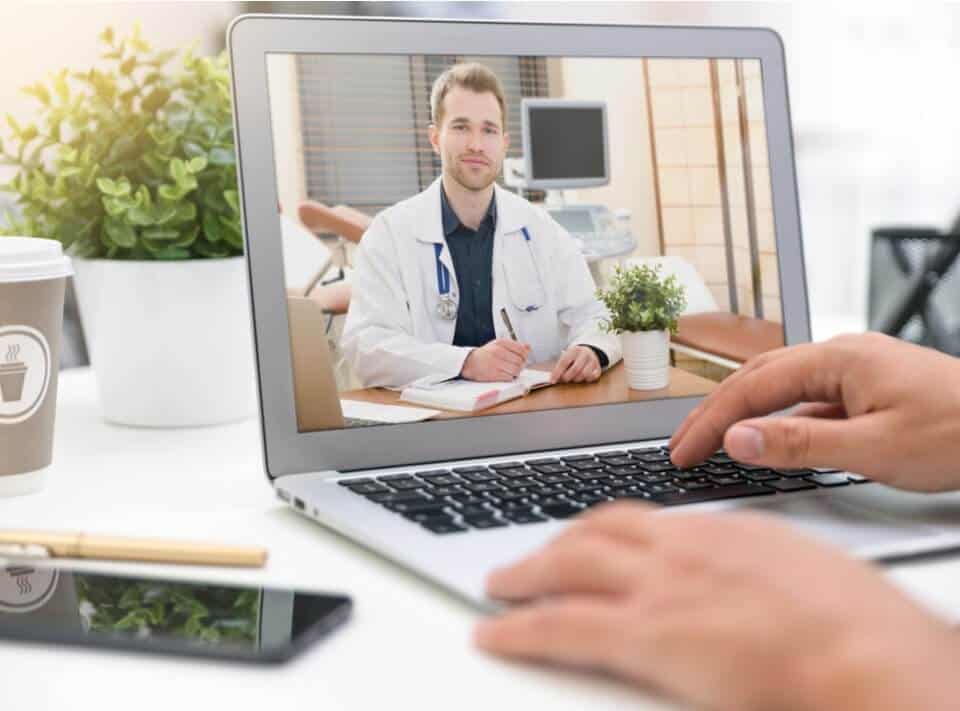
(914, 288)
(345, 223)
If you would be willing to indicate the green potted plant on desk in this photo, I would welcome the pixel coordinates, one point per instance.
(132, 168)
(643, 308)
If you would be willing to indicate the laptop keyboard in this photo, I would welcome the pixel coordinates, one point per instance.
(531, 491)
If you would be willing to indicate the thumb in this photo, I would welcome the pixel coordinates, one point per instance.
(795, 442)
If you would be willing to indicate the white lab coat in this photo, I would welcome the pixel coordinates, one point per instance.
(394, 336)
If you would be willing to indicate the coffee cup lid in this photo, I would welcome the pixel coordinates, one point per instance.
(32, 259)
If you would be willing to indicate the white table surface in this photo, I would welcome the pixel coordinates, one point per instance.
(408, 643)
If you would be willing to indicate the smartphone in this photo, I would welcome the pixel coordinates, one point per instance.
(47, 603)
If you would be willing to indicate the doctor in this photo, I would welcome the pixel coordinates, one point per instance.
(434, 271)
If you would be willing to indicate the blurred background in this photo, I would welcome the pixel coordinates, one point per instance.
(872, 95)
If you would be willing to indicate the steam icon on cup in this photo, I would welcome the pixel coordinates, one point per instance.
(12, 374)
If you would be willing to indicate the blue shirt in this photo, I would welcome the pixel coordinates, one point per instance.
(471, 252)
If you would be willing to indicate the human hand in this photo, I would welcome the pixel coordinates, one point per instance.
(577, 364)
(759, 618)
(875, 405)
(499, 360)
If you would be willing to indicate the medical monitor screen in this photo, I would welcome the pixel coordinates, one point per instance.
(426, 279)
(581, 132)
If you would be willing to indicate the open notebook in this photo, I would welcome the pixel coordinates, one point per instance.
(471, 396)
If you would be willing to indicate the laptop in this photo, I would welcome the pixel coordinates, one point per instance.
(697, 162)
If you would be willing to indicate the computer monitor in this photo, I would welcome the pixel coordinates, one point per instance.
(564, 143)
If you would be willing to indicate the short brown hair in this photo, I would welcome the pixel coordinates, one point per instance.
(473, 76)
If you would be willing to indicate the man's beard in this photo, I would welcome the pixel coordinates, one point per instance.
(476, 183)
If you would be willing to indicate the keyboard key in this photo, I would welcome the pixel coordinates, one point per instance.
(514, 484)
(594, 475)
(591, 499)
(469, 470)
(432, 473)
(793, 473)
(586, 465)
(612, 453)
(481, 487)
(654, 478)
(474, 510)
(761, 476)
(657, 489)
(824, 470)
(618, 461)
(506, 465)
(688, 475)
(550, 468)
(514, 473)
(514, 506)
(393, 477)
(695, 485)
(578, 458)
(523, 517)
(725, 480)
(858, 479)
(466, 499)
(719, 459)
(353, 482)
(400, 498)
(714, 494)
(548, 491)
(753, 467)
(829, 479)
(553, 478)
(560, 510)
(480, 476)
(442, 480)
(370, 488)
(418, 507)
(658, 467)
(443, 527)
(502, 496)
(441, 491)
(408, 484)
(483, 522)
(532, 462)
(791, 485)
(717, 469)
(426, 516)
(628, 470)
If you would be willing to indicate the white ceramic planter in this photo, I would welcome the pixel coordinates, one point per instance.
(170, 341)
(646, 356)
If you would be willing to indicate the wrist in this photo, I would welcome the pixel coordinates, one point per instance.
(874, 672)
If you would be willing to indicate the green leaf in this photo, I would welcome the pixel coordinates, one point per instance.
(212, 229)
(39, 92)
(178, 171)
(128, 65)
(233, 200)
(61, 87)
(163, 234)
(155, 99)
(197, 164)
(171, 193)
(140, 216)
(188, 236)
(107, 35)
(122, 233)
(222, 156)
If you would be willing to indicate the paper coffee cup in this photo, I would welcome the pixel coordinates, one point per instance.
(33, 276)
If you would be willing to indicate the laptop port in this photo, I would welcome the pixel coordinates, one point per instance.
(299, 504)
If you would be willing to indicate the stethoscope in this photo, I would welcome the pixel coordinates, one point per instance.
(447, 304)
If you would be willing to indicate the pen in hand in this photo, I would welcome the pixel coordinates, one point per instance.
(506, 321)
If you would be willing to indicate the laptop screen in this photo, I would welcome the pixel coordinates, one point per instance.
(476, 236)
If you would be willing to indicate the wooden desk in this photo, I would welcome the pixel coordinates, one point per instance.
(610, 388)
(727, 336)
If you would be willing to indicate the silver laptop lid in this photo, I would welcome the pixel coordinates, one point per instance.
(702, 112)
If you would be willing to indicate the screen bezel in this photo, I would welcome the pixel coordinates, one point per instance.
(526, 105)
(339, 612)
(286, 450)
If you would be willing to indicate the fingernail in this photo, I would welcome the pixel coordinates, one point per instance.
(744, 442)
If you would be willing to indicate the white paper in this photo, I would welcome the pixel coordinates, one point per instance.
(533, 378)
(392, 414)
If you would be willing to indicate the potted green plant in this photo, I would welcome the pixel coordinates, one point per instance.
(132, 167)
(643, 308)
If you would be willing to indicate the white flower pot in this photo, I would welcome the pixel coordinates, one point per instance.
(169, 341)
(646, 356)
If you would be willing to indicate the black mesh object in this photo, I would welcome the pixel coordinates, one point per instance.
(915, 285)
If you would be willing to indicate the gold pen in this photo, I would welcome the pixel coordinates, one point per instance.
(81, 545)
(506, 321)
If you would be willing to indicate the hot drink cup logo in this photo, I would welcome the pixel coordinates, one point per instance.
(24, 372)
(12, 374)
